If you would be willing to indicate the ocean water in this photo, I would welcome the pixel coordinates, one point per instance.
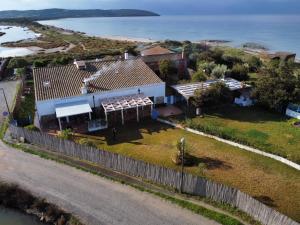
(15, 34)
(277, 32)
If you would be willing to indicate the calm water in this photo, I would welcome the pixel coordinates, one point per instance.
(15, 34)
(275, 32)
(11, 217)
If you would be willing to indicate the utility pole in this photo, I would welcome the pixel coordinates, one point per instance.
(182, 141)
(2, 89)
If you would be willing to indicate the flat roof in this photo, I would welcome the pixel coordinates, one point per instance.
(188, 90)
(72, 109)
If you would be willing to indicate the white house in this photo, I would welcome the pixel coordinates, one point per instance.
(112, 86)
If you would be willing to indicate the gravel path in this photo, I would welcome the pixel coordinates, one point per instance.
(10, 89)
(94, 199)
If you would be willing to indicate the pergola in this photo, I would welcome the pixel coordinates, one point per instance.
(188, 90)
(124, 103)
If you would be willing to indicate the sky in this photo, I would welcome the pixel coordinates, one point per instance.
(166, 7)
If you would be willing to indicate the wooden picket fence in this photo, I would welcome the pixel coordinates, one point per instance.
(191, 184)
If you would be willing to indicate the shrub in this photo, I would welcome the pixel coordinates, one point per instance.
(219, 71)
(40, 63)
(17, 63)
(32, 128)
(66, 134)
(87, 142)
(254, 63)
(199, 76)
(240, 72)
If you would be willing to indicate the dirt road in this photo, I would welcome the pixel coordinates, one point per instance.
(94, 199)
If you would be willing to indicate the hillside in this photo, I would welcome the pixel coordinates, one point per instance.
(48, 14)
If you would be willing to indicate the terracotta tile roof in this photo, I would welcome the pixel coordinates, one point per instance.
(66, 81)
(157, 50)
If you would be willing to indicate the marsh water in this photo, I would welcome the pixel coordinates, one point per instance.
(15, 34)
(12, 217)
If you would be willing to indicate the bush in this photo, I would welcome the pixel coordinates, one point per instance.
(219, 71)
(17, 63)
(240, 72)
(40, 63)
(32, 128)
(66, 134)
(199, 77)
(87, 142)
(254, 63)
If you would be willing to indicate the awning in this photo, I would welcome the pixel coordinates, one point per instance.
(188, 90)
(72, 109)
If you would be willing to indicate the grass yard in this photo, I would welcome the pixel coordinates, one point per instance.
(253, 126)
(269, 181)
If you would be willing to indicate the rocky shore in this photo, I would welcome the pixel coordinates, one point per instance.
(12, 196)
(1, 34)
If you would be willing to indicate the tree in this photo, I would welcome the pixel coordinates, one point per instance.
(218, 93)
(219, 71)
(199, 76)
(254, 63)
(165, 68)
(231, 59)
(20, 72)
(61, 60)
(239, 72)
(17, 63)
(277, 86)
(40, 63)
(206, 67)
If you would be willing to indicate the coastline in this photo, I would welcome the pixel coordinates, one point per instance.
(34, 50)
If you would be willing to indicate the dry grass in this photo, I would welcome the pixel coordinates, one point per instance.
(273, 183)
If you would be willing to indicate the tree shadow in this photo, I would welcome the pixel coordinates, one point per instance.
(210, 163)
(265, 200)
(252, 114)
(131, 132)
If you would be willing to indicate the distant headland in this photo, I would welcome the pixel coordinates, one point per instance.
(50, 14)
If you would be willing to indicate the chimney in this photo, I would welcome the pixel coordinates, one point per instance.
(81, 65)
(183, 54)
(84, 90)
(126, 55)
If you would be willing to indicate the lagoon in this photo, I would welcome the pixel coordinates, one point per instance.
(15, 34)
(12, 217)
(277, 32)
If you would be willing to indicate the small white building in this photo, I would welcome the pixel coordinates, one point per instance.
(110, 87)
(293, 110)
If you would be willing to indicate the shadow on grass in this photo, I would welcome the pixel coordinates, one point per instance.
(245, 114)
(132, 132)
(266, 200)
(210, 163)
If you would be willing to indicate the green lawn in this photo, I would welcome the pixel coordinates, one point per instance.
(266, 179)
(253, 126)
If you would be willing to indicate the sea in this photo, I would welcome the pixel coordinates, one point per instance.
(276, 32)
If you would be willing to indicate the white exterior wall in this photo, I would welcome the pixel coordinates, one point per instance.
(47, 107)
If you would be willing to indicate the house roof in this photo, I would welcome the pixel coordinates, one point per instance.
(282, 55)
(157, 50)
(67, 81)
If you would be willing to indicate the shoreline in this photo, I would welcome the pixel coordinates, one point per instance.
(34, 50)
